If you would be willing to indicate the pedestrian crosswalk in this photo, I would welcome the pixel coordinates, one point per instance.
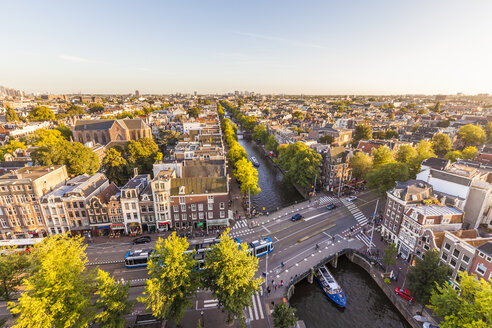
(255, 311)
(366, 240)
(327, 200)
(240, 228)
(358, 215)
(240, 224)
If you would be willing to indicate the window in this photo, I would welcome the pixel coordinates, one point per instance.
(183, 208)
(447, 246)
(456, 253)
(444, 256)
(184, 217)
(127, 206)
(200, 207)
(175, 208)
(151, 208)
(193, 207)
(452, 263)
(144, 209)
(481, 269)
(221, 205)
(429, 221)
(200, 215)
(193, 215)
(81, 204)
(210, 215)
(176, 217)
(388, 211)
(75, 205)
(390, 202)
(182, 200)
(133, 206)
(222, 214)
(426, 247)
(210, 198)
(210, 206)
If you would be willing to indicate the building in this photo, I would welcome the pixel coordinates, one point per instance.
(20, 192)
(341, 137)
(482, 262)
(130, 208)
(98, 210)
(161, 185)
(336, 171)
(106, 131)
(146, 206)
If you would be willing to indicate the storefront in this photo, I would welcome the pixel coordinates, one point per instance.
(117, 230)
(101, 231)
(148, 227)
(134, 229)
(163, 226)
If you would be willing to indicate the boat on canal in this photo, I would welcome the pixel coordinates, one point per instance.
(331, 288)
(254, 161)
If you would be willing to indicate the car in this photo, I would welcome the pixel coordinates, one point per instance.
(331, 206)
(297, 217)
(141, 240)
(351, 198)
(405, 293)
(429, 325)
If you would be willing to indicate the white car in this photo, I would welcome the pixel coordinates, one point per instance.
(351, 198)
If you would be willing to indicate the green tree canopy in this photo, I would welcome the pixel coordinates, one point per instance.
(384, 177)
(141, 154)
(441, 144)
(247, 176)
(468, 307)
(236, 152)
(271, 144)
(300, 164)
(390, 134)
(58, 292)
(469, 152)
(362, 132)
(472, 135)
(488, 131)
(194, 111)
(96, 108)
(115, 167)
(13, 145)
(382, 155)
(389, 255)
(44, 137)
(405, 153)
(453, 155)
(65, 131)
(230, 275)
(260, 133)
(172, 279)
(112, 303)
(11, 115)
(297, 115)
(14, 266)
(326, 139)
(423, 277)
(41, 113)
(284, 316)
(361, 164)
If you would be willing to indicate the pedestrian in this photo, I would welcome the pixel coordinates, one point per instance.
(282, 283)
(273, 282)
(275, 287)
(268, 290)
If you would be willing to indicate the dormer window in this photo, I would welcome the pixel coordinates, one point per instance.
(181, 190)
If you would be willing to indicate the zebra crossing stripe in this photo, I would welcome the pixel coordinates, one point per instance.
(254, 306)
(259, 306)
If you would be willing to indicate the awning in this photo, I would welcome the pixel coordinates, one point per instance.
(104, 227)
(163, 223)
(118, 225)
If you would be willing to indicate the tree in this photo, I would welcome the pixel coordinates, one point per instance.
(284, 316)
(81, 159)
(488, 131)
(142, 153)
(422, 111)
(172, 279)
(389, 256)
(326, 139)
(113, 302)
(362, 132)
(423, 277)
(384, 177)
(247, 176)
(472, 135)
(96, 108)
(13, 269)
(390, 134)
(194, 111)
(260, 133)
(424, 151)
(115, 167)
(65, 131)
(437, 108)
(297, 115)
(58, 292)
(13, 145)
(11, 115)
(230, 275)
(271, 144)
(300, 164)
(453, 155)
(468, 307)
(361, 164)
(41, 113)
(44, 137)
(469, 152)
(382, 155)
(236, 152)
(169, 137)
(441, 144)
(405, 153)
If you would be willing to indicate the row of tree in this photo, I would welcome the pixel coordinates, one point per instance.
(248, 123)
(300, 164)
(59, 289)
(244, 171)
(261, 134)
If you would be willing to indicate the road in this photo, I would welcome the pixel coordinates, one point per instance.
(319, 226)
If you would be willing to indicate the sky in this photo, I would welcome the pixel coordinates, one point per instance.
(292, 47)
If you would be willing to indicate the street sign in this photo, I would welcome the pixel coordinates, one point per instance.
(200, 224)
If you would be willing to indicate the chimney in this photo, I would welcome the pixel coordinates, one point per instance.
(135, 171)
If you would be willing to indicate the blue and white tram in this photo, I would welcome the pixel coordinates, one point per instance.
(138, 258)
(261, 247)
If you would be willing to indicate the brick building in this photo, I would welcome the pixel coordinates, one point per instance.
(106, 131)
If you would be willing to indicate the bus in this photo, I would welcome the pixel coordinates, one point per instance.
(259, 247)
(21, 244)
(138, 258)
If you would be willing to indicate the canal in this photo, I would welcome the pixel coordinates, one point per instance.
(367, 306)
(274, 192)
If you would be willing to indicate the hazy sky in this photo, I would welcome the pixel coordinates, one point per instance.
(310, 47)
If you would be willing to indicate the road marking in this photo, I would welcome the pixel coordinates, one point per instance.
(266, 229)
(254, 306)
(259, 306)
(315, 216)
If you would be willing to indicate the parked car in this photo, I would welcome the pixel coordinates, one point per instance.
(141, 240)
(331, 206)
(405, 293)
(297, 217)
(351, 198)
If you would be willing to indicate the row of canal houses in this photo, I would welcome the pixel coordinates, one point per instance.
(442, 210)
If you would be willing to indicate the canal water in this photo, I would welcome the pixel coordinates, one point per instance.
(274, 193)
(367, 306)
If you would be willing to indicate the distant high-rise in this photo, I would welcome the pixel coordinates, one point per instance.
(137, 93)
(195, 93)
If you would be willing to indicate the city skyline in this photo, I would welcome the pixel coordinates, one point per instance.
(277, 47)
